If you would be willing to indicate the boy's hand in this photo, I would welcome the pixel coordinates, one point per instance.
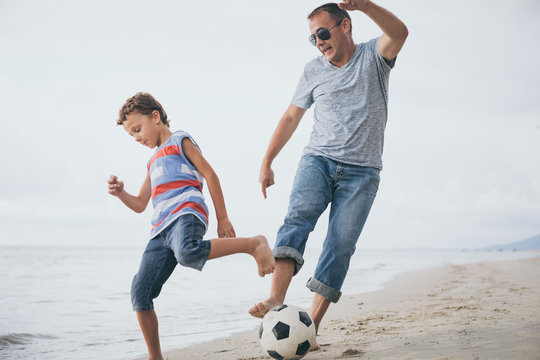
(225, 229)
(115, 186)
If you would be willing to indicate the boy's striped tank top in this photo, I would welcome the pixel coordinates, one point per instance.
(176, 185)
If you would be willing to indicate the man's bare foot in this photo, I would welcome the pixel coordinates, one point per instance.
(315, 346)
(263, 255)
(260, 309)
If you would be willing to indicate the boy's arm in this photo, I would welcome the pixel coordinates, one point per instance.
(225, 228)
(136, 203)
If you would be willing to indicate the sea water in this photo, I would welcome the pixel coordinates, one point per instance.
(74, 303)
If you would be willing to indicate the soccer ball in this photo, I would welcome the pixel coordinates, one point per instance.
(287, 332)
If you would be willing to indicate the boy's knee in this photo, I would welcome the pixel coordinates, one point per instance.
(193, 255)
(140, 298)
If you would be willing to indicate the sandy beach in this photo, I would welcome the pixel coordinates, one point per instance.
(478, 311)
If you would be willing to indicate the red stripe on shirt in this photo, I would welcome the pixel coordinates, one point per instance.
(167, 150)
(192, 205)
(160, 189)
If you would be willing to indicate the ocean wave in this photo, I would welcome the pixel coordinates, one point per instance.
(20, 339)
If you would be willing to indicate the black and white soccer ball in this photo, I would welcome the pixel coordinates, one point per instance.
(287, 332)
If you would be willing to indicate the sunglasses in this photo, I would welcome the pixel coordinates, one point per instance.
(322, 33)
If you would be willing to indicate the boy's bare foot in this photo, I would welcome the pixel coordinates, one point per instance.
(260, 309)
(315, 346)
(263, 255)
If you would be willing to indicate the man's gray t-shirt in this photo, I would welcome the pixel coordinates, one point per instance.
(350, 106)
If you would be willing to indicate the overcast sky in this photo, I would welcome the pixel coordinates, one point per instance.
(462, 149)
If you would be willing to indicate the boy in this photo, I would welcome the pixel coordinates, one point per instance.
(174, 181)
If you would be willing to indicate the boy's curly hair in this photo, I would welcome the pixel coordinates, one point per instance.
(143, 103)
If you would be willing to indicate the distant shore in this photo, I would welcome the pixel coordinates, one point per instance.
(488, 310)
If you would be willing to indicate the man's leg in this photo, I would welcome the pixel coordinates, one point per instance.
(351, 204)
(354, 193)
(280, 284)
(310, 196)
(318, 309)
(149, 326)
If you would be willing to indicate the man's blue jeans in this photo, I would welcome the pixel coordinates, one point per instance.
(351, 190)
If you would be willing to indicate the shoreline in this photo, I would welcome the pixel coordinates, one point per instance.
(486, 310)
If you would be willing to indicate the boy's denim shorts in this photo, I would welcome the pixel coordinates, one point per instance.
(350, 190)
(179, 243)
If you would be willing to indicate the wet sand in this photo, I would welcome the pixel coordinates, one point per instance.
(477, 311)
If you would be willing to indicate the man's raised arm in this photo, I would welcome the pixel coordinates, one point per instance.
(394, 30)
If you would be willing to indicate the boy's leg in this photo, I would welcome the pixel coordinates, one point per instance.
(149, 326)
(186, 241)
(256, 246)
(157, 264)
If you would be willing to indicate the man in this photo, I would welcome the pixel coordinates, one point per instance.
(340, 165)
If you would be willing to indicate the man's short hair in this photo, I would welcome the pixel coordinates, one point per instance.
(334, 10)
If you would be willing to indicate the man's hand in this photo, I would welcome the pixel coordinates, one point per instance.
(350, 5)
(115, 186)
(266, 178)
(225, 229)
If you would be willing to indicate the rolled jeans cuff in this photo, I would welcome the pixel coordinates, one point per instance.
(324, 290)
(285, 252)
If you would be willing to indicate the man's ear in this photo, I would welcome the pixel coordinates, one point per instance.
(346, 23)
